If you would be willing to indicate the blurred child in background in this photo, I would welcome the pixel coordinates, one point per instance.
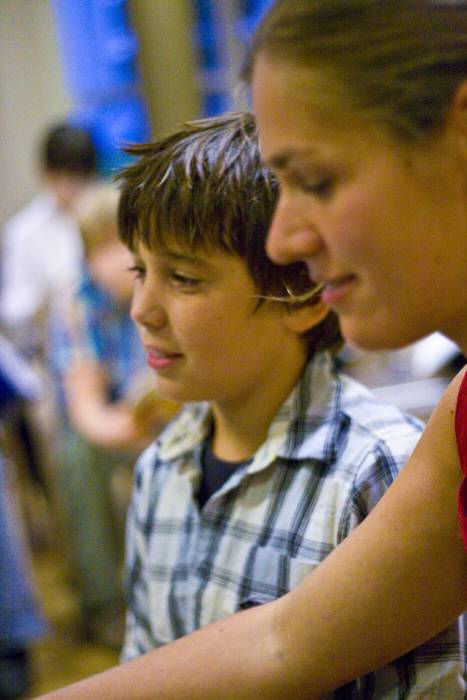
(40, 260)
(100, 368)
(41, 246)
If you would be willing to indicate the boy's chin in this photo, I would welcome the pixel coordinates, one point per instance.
(173, 393)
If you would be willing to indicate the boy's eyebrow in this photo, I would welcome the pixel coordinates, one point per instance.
(187, 257)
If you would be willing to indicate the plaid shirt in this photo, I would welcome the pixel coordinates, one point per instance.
(331, 452)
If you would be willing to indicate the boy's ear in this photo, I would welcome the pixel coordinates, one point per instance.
(302, 318)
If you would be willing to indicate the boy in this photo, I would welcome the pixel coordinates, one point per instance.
(275, 457)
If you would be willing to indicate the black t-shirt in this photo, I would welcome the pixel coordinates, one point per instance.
(214, 472)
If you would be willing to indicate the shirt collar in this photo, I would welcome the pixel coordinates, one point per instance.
(300, 429)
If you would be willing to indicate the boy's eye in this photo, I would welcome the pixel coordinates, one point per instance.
(138, 271)
(183, 280)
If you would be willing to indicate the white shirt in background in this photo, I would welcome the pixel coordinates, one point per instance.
(41, 252)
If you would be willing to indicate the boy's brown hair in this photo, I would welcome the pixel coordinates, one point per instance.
(204, 187)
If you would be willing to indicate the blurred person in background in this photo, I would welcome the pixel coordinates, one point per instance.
(41, 247)
(21, 620)
(109, 412)
(40, 257)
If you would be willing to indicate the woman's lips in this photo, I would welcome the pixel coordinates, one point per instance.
(161, 360)
(335, 290)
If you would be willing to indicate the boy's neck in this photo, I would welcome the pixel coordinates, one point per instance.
(239, 430)
(231, 443)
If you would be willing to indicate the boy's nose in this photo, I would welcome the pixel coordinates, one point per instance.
(291, 236)
(146, 309)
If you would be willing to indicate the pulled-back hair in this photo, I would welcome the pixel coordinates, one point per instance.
(204, 188)
(397, 62)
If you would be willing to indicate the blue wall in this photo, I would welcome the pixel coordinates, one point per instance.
(211, 39)
(99, 53)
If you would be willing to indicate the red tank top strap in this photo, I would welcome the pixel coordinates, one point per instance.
(461, 437)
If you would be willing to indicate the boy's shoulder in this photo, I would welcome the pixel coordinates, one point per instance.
(329, 390)
(333, 412)
(182, 435)
(370, 413)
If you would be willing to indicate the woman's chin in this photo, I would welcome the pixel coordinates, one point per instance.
(373, 335)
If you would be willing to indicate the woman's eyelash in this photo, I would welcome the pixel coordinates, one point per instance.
(320, 188)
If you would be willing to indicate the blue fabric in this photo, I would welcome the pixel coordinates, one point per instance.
(102, 330)
(20, 618)
(7, 391)
(112, 335)
(17, 380)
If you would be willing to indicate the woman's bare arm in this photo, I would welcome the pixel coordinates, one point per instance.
(396, 581)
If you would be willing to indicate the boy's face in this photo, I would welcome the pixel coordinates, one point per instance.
(204, 339)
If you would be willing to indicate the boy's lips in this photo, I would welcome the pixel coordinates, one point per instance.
(160, 359)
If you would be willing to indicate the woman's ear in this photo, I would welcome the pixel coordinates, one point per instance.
(302, 318)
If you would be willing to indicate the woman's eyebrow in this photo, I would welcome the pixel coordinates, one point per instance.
(289, 157)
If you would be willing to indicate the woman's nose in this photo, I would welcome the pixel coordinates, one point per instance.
(292, 236)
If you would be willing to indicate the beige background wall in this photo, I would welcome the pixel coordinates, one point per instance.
(33, 93)
(167, 60)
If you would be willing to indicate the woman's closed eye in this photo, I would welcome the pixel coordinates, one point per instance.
(316, 182)
(318, 186)
(321, 188)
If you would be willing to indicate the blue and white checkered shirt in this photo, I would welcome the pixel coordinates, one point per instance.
(331, 452)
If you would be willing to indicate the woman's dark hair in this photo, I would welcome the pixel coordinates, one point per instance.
(397, 62)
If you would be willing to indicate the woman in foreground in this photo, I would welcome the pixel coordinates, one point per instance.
(362, 113)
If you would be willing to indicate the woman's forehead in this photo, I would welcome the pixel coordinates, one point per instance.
(293, 130)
